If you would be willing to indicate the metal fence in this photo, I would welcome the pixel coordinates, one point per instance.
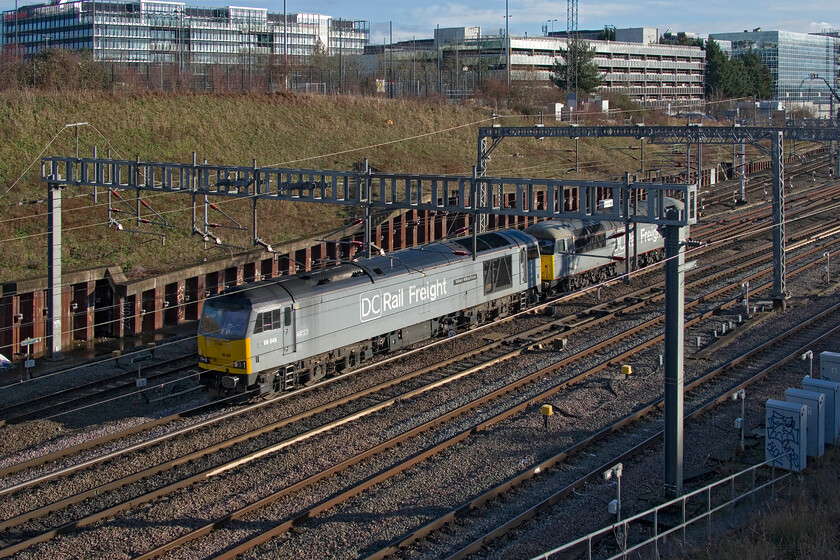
(644, 534)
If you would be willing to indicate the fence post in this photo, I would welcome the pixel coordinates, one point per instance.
(708, 510)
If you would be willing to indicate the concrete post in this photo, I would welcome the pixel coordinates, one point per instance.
(54, 326)
(674, 334)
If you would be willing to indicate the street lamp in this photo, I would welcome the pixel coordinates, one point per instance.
(551, 21)
(507, 41)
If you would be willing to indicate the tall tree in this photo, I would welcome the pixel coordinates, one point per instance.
(761, 80)
(718, 71)
(577, 71)
(727, 77)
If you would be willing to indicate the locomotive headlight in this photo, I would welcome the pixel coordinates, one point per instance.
(239, 365)
(204, 359)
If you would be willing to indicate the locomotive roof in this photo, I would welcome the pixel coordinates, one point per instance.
(560, 228)
(368, 271)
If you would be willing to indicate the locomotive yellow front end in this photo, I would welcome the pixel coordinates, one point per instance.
(224, 349)
(227, 356)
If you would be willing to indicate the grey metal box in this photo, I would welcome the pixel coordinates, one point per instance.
(830, 366)
(815, 434)
(786, 434)
(831, 391)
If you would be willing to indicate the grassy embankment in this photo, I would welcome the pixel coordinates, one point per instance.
(801, 524)
(280, 130)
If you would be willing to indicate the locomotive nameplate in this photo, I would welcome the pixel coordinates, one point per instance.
(465, 279)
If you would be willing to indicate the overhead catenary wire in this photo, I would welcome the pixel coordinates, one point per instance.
(172, 211)
(452, 224)
(728, 239)
(188, 208)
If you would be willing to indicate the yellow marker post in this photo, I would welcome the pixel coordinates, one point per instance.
(546, 410)
(627, 370)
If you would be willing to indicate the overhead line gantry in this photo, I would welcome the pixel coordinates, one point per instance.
(476, 195)
(812, 130)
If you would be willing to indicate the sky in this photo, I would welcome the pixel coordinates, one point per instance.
(418, 18)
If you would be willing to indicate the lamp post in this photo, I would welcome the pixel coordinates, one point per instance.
(507, 41)
(285, 48)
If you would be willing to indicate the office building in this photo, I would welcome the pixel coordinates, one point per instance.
(800, 64)
(148, 32)
(648, 73)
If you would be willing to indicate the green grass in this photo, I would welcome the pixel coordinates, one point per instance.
(800, 524)
(308, 131)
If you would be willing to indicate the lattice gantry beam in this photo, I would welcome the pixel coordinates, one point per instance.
(545, 198)
(663, 134)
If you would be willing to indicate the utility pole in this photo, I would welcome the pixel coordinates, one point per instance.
(53, 326)
(779, 293)
(285, 48)
(674, 338)
(834, 157)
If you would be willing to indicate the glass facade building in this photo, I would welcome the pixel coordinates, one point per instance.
(174, 33)
(794, 59)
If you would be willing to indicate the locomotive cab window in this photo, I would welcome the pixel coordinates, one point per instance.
(228, 321)
(263, 323)
(497, 275)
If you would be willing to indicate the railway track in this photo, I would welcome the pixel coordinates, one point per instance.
(415, 459)
(565, 324)
(758, 185)
(204, 474)
(524, 346)
(123, 383)
(703, 394)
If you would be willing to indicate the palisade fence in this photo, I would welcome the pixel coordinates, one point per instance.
(678, 523)
(411, 80)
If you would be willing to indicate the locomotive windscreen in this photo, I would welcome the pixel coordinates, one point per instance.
(547, 246)
(228, 321)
